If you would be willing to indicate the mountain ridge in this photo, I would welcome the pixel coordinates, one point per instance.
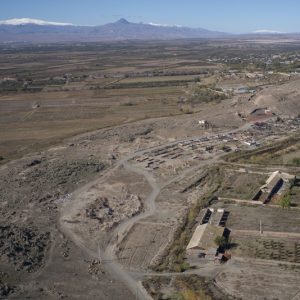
(28, 30)
(35, 30)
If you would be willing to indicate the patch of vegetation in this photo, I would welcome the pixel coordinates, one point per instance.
(187, 109)
(285, 202)
(221, 241)
(128, 104)
(271, 249)
(278, 66)
(148, 84)
(196, 183)
(291, 197)
(205, 94)
(10, 85)
(296, 161)
(264, 155)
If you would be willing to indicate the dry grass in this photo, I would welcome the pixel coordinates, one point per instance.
(65, 113)
(267, 248)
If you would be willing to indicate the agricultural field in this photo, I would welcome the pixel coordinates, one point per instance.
(286, 250)
(142, 243)
(250, 280)
(284, 155)
(242, 185)
(248, 217)
(44, 101)
(49, 88)
(294, 193)
(182, 287)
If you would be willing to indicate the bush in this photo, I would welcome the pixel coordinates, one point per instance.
(186, 109)
(285, 202)
(128, 103)
(181, 267)
(296, 161)
(221, 241)
(190, 294)
(205, 94)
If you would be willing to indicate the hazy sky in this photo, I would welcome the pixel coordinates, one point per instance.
(224, 15)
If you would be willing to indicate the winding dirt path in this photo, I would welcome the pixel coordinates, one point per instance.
(112, 265)
(121, 230)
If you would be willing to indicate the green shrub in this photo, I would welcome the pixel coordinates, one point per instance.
(285, 202)
(296, 161)
(221, 241)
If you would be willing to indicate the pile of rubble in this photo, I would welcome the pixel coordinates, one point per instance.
(43, 181)
(110, 212)
(94, 267)
(5, 290)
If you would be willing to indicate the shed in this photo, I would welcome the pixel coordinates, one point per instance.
(273, 180)
(204, 237)
(273, 185)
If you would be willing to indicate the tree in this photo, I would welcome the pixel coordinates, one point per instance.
(296, 161)
(285, 202)
(221, 241)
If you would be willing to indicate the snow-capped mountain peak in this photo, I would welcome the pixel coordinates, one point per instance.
(266, 31)
(26, 21)
(162, 25)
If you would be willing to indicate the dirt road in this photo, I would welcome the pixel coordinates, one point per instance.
(108, 256)
(121, 230)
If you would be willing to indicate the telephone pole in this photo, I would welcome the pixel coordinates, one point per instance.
(260, 227)
(99, 254)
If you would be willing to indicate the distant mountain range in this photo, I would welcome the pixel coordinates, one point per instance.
(39, 31)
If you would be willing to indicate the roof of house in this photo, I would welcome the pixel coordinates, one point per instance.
(272, 176)
(273, 179)
(204, 237)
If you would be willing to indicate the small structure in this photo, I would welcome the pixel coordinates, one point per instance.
(241, 90)
(222, 257)
(204, 123)
(214, 217)
(203, 239)
(206, 216)
(272, 186)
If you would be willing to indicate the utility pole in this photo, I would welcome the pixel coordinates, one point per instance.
(260, 227)
(99, 254)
